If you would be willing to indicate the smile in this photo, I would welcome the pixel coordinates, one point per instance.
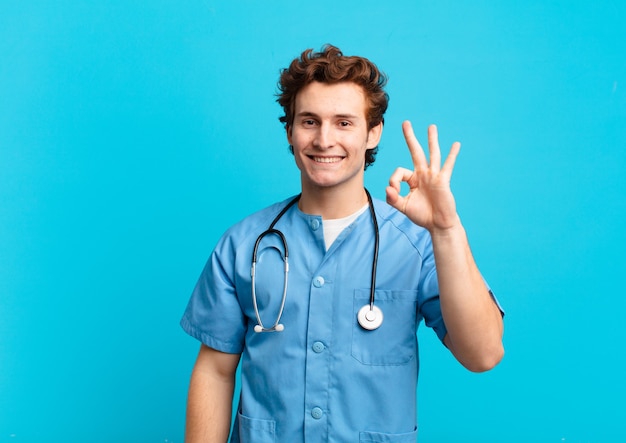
(327, 159)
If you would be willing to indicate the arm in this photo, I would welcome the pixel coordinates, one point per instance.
(210, 399)
(471, 316)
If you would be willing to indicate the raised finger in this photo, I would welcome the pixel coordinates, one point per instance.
(448, 166)
(433, 148)
(417, 153)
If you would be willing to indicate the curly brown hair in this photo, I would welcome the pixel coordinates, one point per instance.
(331, 66)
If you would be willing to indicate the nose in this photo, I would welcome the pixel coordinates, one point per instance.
(325, 137)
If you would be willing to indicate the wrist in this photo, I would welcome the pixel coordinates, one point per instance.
(452, 230)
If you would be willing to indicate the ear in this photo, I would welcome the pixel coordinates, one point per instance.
(288, 130)
(374, 135)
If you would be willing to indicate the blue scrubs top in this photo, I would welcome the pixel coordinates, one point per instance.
(324, 378)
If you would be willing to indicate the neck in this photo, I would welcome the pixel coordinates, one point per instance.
(331, 204)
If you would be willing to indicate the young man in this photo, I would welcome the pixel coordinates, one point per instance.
(329, 353)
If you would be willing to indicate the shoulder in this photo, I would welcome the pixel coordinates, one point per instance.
(394, 223)
(388, 214)
(253, 224)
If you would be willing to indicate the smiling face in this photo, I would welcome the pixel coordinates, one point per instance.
(329, 136)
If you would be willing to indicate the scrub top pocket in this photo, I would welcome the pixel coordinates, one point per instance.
(378, 437)
(395, 341)
(254, 430)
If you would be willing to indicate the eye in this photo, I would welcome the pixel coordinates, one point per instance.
(308, 122)
(344, 123)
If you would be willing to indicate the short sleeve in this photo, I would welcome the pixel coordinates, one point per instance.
(430, 306)
(213, 314)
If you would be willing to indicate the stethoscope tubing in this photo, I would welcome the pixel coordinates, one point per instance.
(376, 242)
(369, 317)
(277, 326)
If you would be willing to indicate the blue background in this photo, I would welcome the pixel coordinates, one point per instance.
(132, 134)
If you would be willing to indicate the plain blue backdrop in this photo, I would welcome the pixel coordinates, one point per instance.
(132, 134)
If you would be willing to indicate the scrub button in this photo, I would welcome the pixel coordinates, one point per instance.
(315, 224)
(318, 347)
(317, 413)
(318, 281)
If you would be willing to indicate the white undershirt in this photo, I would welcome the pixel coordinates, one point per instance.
(332, 228)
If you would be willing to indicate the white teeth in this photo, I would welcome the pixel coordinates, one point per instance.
(327, 159)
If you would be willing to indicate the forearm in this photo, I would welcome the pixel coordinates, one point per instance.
(473, 320)
(209, 404)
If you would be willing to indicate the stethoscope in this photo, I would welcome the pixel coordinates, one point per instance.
(369, 316)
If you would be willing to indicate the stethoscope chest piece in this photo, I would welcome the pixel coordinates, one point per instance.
(370, 317)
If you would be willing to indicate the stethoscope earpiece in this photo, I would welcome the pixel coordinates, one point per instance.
(277, 328)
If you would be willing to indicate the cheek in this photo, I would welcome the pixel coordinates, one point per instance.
(297, 145)
(298, 141)
(357, 142)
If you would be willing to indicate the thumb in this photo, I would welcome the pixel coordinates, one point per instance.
(393, 197)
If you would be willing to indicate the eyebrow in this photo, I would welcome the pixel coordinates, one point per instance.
(312, 114)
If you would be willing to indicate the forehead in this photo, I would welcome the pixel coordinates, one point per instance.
(346, 98)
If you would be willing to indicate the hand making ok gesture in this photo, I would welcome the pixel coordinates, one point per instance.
(429, 202)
